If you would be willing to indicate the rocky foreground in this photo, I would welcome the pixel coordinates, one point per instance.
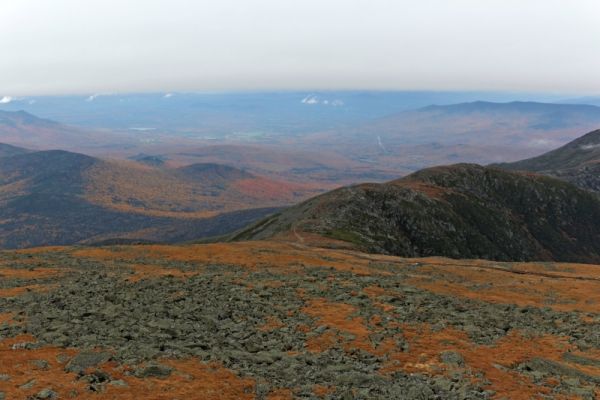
(277, 320)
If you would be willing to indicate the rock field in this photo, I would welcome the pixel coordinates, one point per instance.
(275, 320)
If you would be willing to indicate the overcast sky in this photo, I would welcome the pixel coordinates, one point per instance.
(108, 46)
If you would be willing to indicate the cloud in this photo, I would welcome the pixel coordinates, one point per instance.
(92, 97)
(589, 146)
(168, 95)
(313, 99)
(310, 99)
(6, 100)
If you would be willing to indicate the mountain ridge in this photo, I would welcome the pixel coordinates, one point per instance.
(458, 211)
(577, 162)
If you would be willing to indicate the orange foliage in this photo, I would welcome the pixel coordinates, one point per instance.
(155, 271)
(135, 188)
(16, 291)
(252, 255)
(495, 361)
(323, 391)
(6, 317)
(280, 394)
(272, 324)
(33, 273)
(41, 250)
(566, 287)
(190, 378)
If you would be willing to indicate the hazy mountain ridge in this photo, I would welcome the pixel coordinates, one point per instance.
(20, 128)
(482, 122)
(7, 150)
(577, 162)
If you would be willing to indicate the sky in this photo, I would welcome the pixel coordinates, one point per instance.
(111, 46)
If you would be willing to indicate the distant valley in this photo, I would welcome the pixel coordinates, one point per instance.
(58, 197)
(369, 146)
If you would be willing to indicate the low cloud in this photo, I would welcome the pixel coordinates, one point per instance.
(6, 100)
(542, 143)
(589, 146)
(312, 99)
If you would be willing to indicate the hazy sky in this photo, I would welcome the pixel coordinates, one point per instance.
(105, 46)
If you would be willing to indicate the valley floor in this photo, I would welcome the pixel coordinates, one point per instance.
(285, 319)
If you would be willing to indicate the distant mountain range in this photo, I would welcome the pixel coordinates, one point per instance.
(362, 147)
(479, 132)
(459, 211)
(219, 114)
(20, 128)
(58, 197)
(577, 162)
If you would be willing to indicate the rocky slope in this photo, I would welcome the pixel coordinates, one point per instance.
(577, 162)
(272, 320)
(460, 211)
(58, 197)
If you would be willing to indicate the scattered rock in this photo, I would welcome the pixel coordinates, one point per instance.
(452, 358)
(570, 357)
(118, 383)
(28, 385)
(541, 367)
(154, 370)
(40, 364)
(86, 359)
(46, 394)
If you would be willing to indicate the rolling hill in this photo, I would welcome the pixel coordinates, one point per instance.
(577, 162)
(459, 211)
(59, 197)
